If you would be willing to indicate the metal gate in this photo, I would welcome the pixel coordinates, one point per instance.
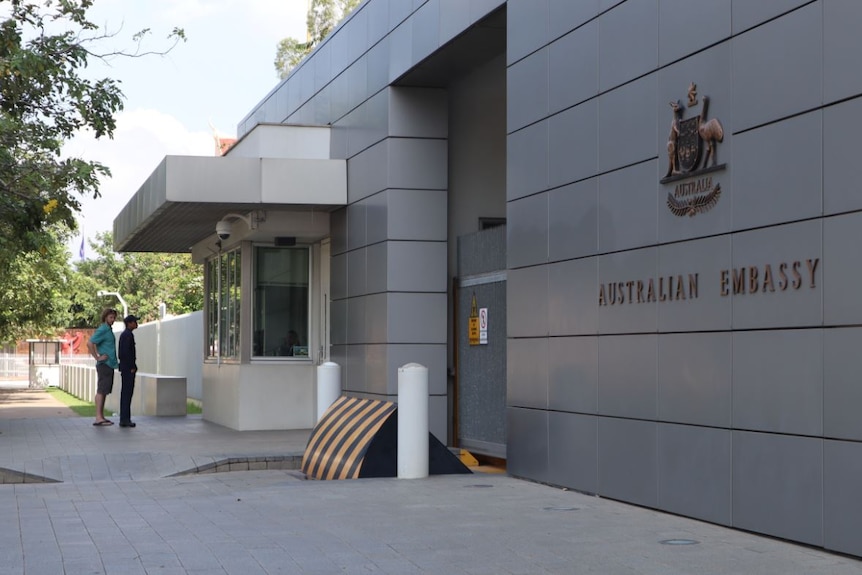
(480, 317)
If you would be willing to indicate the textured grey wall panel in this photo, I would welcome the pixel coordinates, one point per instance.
(368, 123)
(678, 37)
(572, 135)
(400, 49)
(407, 215)
(572, 289)
(842, 125)
(527, 90)
(418, 163)
(527, 161)
(527, 220)
(572, 451)
(573, 374)
(777, 172)
(482, 252)
(357, 227)
(842, 506)
(356, 327)
(705, 258)
(573, 64)
(778, 381)
(841, 277)
(694, 472)
(357, 272)
(842, 393)
(694, 378)
(366, 172)
(426, 26)
(418, 113)
(527, 373)
(338, 322)
(383, 362)
(627, 212)
(527, 447)
(532, 30)
(628, 468)
(627, 124)
(759, 97)
(573, 220)
(628, 376)
(527, 306)
(620, 60)
(354, 372)
(747, 14)
(778, 485)
(407, 267)
(416, 317)
(841, 46)
(620, 268)
(338, 281)
(566, 15)
(790, 307)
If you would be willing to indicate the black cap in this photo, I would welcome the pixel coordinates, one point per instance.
(130, 319)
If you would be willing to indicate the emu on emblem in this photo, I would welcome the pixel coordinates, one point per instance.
(686, 158)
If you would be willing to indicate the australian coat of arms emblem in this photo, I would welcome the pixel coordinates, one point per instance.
(691, 154)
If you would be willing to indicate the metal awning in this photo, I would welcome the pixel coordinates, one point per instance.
(180, 203)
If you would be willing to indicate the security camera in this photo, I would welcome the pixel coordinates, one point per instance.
(223, 229)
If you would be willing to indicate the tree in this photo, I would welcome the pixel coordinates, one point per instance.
(33, 295)
(144, 279)
(44, 101)
(323, 17)
(45, 46)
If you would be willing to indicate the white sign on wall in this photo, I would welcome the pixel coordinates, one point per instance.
(483, 326)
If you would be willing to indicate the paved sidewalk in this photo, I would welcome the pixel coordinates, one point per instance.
(18, 401)
(128, 501)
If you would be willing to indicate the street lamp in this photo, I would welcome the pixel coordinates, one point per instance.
(102, 293)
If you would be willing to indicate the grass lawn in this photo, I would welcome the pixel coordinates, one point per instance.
(87, 409)
(79, 406)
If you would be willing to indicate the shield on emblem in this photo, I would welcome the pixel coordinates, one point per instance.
(688, 144)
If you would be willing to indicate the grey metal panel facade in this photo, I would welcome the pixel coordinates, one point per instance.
(734, 404)
(731, 400)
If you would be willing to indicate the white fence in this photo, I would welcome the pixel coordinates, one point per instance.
(172, 348)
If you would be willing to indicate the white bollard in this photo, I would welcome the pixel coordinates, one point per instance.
(328, 386)
(412, 421)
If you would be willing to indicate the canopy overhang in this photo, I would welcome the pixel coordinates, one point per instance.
(180, 203)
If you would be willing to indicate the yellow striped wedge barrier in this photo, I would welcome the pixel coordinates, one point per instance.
(358, 438)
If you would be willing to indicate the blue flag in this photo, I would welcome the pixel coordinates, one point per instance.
(81, 250)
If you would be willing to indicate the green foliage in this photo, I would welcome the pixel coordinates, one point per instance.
(33, 295)
(45, 46)
(144, 279)
(323, 17)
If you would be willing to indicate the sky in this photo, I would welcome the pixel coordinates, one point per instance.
(214, 78)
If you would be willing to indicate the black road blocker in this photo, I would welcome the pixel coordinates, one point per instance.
(358, 438)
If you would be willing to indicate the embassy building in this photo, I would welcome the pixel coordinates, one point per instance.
(624, 237)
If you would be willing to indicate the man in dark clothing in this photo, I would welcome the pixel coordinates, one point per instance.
(127, 356)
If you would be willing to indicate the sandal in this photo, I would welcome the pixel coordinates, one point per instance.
(103, 423)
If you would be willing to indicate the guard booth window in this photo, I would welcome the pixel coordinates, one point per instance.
(281, 302)
(223, 304)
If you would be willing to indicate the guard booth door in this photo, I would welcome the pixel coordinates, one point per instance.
(480, 310)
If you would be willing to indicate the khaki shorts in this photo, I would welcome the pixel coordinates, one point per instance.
(105, 381)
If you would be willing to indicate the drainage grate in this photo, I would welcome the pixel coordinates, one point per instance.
(479, 485)
(679, 542)
(554, 508)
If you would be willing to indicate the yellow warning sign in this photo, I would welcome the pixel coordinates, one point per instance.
(473, 325)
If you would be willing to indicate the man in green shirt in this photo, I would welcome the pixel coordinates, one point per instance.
(103, 347)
